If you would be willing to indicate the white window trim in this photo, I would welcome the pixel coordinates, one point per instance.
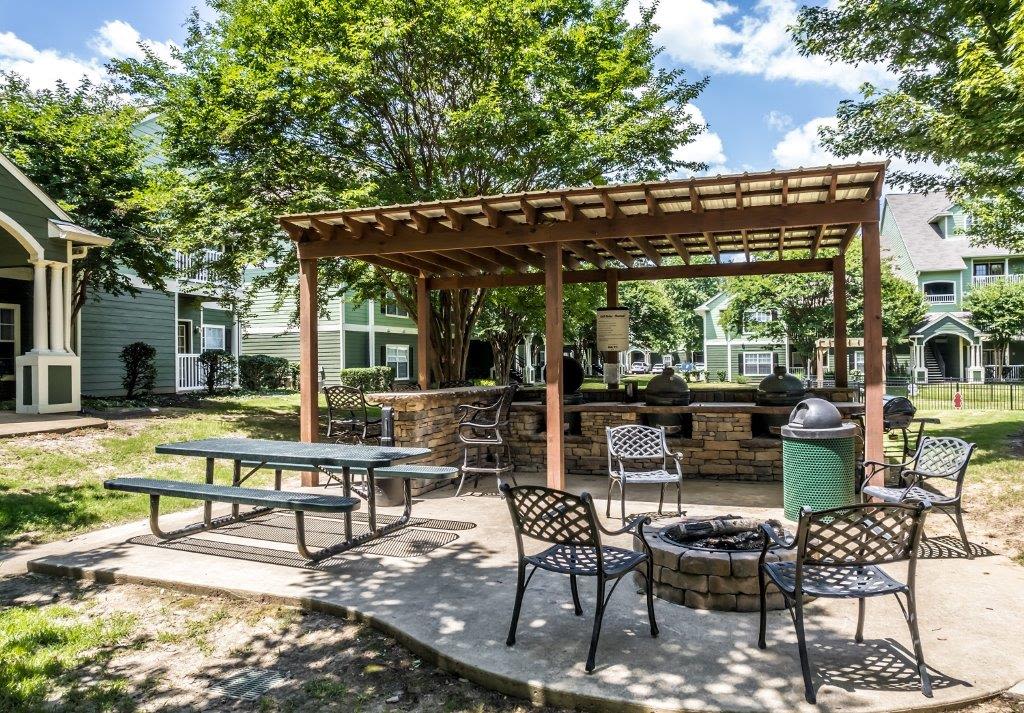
(399, 311)
(771, 363)
(956, 289)
(191, 337)
(223, 335)
(402, 349)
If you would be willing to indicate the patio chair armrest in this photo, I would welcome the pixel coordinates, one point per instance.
(635, 525)
(773, 538)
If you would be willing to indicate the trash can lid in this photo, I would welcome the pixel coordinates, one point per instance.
(817, 418)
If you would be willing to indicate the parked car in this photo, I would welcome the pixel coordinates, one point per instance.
(639, 367)
(658, 368)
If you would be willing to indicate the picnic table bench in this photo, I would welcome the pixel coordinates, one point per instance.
(262, 500)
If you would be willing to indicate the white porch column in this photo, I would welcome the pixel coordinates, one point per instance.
(56, 307)
(528, 358)
(40, 343)
(372, 335)
(68, 345)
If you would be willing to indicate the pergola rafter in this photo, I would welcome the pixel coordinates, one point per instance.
(576, 235)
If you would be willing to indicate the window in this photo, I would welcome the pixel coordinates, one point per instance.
(8, 324)
(858, 361)
(757, 363)
(185, 336)
(985, 269)
(9, 339)
(940, 292)
(397, 357)
(391, 308)
(754, 317)
(213, 337)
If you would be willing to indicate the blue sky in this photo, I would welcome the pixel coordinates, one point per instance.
(763, 106)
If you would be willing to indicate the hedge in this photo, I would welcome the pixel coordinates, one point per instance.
(374, 378)
(262, 372)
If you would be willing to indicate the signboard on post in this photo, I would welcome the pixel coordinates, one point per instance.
(612, 329)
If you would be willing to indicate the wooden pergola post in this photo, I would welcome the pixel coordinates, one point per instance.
(874, 365)
(611, 300)
(309, 406)
(422, 332)
(553, 305)
(839, 310)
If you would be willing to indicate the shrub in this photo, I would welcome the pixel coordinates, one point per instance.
(374, 378)
(721, 376)
(741, 379)
(139, 369)
(218, 369)
(262, 372)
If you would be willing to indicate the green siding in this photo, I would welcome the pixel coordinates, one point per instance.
(954, 276)
(109, 323)
(357, 313)
(716, 357)
(357, 349)
(28, 211)
(387, 320)
(892, 241)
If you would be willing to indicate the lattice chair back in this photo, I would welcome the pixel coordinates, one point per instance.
(552, 516)
(345, 399)
(636, 442)
(505, 402)
(943, 458)
(862, 534)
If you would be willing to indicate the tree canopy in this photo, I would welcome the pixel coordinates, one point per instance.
(78, 144)
(284, 106)
(654, 321)
(958, 98)
(997, 309)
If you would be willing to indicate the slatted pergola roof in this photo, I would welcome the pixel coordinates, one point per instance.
(753, 214)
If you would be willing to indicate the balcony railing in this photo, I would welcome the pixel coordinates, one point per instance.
(194, 267)
(982, 280)
(940, 299)
(1004, 372)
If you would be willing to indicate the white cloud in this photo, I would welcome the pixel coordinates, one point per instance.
(706, 147)
(42, 68)
(713, 35)
(778, 120)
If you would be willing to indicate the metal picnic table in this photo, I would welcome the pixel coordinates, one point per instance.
(328, 458)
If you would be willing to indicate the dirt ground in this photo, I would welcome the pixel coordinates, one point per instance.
(181, 647)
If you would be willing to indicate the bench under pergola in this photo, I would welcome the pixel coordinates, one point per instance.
(746, 223)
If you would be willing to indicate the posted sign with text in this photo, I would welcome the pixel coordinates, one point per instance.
(612, 329)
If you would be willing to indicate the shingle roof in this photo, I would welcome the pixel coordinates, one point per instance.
(927, 248)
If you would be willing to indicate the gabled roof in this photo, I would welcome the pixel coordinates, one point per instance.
(913, 214)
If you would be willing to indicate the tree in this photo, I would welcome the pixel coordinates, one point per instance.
(218, 368)
(802, 305)
(285, 106)
(958, 100)
(654, 321)
(78, 146)
(687, 295)
(997, 309)
(139, 361)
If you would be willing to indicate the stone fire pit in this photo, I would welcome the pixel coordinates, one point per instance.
(707, 573)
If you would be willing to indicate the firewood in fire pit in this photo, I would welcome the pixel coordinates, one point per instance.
(722, 525)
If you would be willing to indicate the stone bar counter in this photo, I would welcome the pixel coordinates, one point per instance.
(720, 438)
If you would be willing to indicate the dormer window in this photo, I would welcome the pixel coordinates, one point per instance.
(940, 293)
(753, 317)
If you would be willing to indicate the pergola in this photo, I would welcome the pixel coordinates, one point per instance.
(747, 223)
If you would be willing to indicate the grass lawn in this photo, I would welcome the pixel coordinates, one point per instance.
(52, 485)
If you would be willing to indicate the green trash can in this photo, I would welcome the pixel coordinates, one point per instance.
(817, 458)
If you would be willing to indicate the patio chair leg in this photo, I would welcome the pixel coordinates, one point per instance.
(622, 499)
(805, 664)
(608, 501)
(520, 590)
(861, 607)
(577, 607)
(661, 497)
(679, 498)
(598, 617)
(462, 481)
(762, 589)
(963, 532)
(915, 636)
(650, 597)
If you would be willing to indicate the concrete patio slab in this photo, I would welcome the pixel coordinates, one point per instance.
(446, 591)
(13, 425)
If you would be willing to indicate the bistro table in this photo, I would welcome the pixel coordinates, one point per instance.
(328, 458)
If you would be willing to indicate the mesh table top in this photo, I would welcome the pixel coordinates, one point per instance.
(292, 452)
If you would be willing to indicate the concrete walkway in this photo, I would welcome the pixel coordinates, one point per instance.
(13, 425)
(444, 588)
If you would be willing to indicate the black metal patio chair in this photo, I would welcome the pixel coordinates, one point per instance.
(571, 526)
(936, 459)
(480, 429)
(348, 416)
(643, 444)
(838, 551)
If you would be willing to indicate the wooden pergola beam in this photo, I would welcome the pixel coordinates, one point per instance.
(818, 235)
(746, 244)
(587, 253)
(712, 246)
(680, 247)
(665, 272)
(524, 254)
(474, 235)
(616, 252)
(647, 248)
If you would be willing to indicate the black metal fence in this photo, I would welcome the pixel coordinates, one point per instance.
(954, 395)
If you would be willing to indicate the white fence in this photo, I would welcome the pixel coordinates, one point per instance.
(981, 280)
(190, 373)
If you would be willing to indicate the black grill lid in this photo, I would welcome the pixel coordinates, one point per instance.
(781, 383)
(667, 383)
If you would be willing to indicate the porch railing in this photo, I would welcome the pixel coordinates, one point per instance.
(194, 267)
(940, 299)
(1004, 372)
(190, 373)
(982, 280)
